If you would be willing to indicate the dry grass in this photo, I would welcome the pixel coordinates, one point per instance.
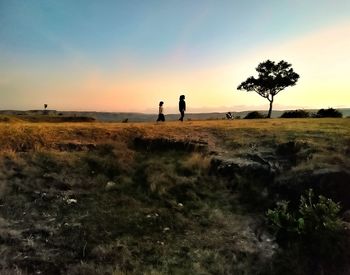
(30, 136)
(197, 162)
(165, 214)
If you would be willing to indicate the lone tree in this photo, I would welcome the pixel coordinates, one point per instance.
(272, 79)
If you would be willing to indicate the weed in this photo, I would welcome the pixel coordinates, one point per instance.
(315, 230)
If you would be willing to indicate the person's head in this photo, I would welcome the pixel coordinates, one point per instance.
(161, 103)
(182, 97)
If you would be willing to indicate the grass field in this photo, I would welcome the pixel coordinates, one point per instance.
(147, 198)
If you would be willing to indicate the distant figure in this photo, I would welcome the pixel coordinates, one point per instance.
(45, 111)
(229, 115)
(182, 107)
(161, 116)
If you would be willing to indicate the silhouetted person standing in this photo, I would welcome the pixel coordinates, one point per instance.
(161, 116)
(182, 107)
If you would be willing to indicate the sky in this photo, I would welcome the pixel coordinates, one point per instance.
(126, 56)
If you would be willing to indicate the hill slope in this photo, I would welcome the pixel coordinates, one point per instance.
(113, 198)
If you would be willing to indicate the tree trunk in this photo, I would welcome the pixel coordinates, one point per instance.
(270, 109)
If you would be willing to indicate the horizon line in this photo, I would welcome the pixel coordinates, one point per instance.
(170, 113)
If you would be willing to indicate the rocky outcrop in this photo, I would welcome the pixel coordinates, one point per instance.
(165, 144)
(292, 153)
(231, 167)
(270, 169)
(332, 182)
(74, 146)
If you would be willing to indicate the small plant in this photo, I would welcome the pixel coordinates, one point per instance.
(282, 219)
(295, 114)
(254, 115)
(311, 219)
(314, 231)
(318, 217)
(330, 112)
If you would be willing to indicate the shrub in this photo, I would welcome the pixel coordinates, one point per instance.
(295, 114)
(4, 119)
(254, 115)
(330, 112)
(312, 217)
(313, 231)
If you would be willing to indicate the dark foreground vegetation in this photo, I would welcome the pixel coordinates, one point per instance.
(218, 197)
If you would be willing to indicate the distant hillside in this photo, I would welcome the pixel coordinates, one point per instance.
(42, 116)
(139, 117)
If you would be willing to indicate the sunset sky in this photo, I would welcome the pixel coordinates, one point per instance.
(128, 55)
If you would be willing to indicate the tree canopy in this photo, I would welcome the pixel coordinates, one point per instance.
(272, 78)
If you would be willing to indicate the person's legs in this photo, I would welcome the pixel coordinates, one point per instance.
(182, 115)
(161, 117)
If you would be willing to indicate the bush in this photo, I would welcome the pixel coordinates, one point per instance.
(313, 231)
(295, 114)
(312, 218)
(330, 112)
(254, 115)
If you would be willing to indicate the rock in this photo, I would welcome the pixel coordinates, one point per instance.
(331, 182)
(262, 247)
(164, 144)
(110, 185)
(230, 167)
(71, 201)
(75, 146)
